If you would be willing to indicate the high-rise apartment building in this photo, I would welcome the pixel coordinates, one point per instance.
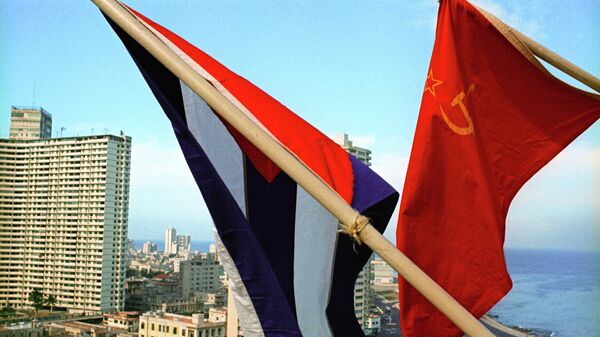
(148, 247)
(184, 245)
(63, 220)
(360, 153)
(30, 123)
(170, 241)
(362, 287)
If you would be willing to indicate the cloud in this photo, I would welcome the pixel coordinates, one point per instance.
(558, 207)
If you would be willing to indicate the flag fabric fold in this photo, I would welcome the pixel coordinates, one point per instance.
(290, 271)
(490, 118)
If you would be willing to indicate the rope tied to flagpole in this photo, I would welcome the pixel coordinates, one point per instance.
(353, 230)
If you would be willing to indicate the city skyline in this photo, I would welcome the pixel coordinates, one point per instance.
(368, 61)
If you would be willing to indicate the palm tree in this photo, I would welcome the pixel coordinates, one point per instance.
(51, 301)
(37, 299)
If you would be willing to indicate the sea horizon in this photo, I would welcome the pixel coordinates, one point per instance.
(554, 290)
(200, 245)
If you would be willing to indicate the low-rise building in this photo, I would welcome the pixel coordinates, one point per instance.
(372, 324)
(81, 329)
(217, 314)
(21, 329)
(122, 320)
(172, 325)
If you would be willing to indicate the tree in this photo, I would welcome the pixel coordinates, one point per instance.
(37, 299)
(7, 311)
(51, 301)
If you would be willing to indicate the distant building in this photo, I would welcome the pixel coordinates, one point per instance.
(63, 217)
(173, 325)
(127, 320)
(170, 241)
(30, 123)
(362, 287)
(22, 329)
(212, 249)
(372, 324)
(360, 153)
(81, 329)
(362, 295)
(217, 315)
(147, 294)
(184, 245)
(149, 247)
(202, 274)
(383, 273)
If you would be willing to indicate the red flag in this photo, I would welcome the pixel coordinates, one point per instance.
(491, 116)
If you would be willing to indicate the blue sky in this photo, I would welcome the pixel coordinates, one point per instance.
(345, 66)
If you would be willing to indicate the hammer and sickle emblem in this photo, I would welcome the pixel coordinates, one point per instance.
(458, 100)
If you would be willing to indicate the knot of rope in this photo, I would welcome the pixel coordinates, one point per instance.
(354, 229)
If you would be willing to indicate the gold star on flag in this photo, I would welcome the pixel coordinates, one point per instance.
(431, 83)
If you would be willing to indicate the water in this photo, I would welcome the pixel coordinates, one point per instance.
(195, 245)
(553, 290)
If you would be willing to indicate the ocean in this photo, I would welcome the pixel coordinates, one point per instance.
(160, 245)
(557, 291)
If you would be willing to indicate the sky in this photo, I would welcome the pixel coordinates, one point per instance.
(357, 67)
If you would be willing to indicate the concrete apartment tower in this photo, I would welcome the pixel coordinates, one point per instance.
(63, 216)
(362, 287)
(184, 245)
(30, 123)
(170, 241)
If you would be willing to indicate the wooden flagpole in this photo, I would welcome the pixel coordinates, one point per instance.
(352, 221)
(545, 53)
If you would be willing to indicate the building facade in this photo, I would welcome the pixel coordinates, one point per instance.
(360, 153)
(184, 245)
(170, 241)
(149, 247)
(383, 273)
(29, 123)
(63, 220)
(173, 325)
(202, 274)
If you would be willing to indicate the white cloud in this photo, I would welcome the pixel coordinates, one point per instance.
(558, 207)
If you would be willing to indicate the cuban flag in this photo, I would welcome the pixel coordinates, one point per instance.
(290, 271)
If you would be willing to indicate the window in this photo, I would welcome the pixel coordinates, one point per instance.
(142, 326)
(152, 326)
(183, 332)
(174, 330)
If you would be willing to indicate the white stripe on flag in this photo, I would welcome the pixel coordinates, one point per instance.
(218, 144)
(243, 304)
(314, 246)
